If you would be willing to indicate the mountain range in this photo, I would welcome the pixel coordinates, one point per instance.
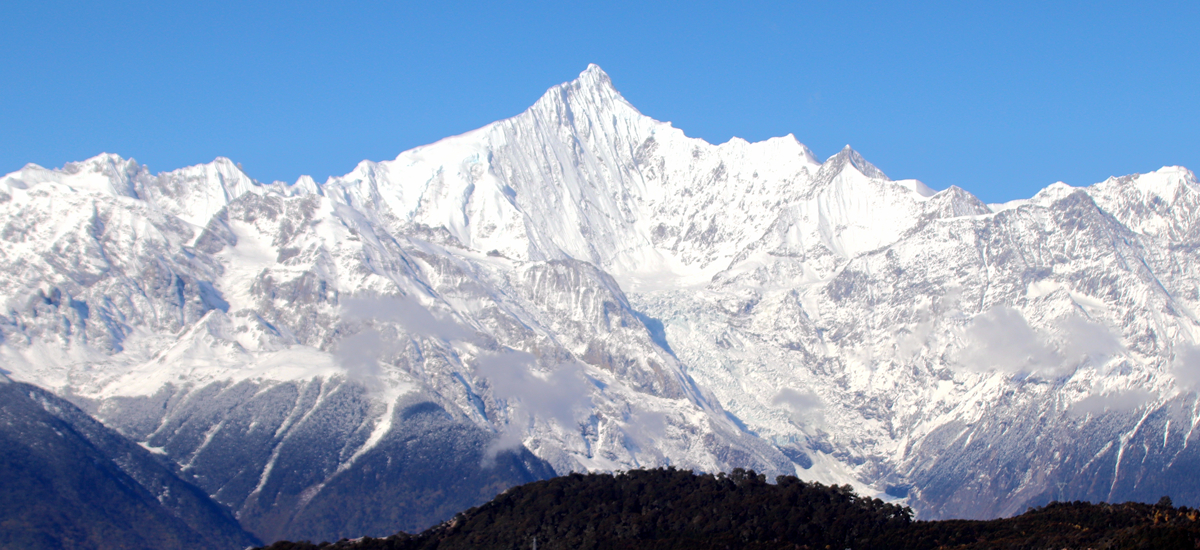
(582, 288)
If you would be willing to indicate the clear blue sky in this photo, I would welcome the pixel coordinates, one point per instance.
(998, 98)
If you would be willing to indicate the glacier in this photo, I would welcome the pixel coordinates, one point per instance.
(584, 288)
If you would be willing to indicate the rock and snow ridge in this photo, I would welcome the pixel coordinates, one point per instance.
(591, 287)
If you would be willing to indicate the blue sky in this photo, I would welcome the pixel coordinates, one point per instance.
(998, 98)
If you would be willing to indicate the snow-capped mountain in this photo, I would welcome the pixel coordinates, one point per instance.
(581, 287)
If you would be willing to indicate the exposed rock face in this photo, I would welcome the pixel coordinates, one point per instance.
(581, 287)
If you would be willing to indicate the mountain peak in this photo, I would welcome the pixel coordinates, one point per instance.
(593, 79)
(847, 155)
(591, 87)
(594, 71)
(592, 82)
(112, 158)
(104, 162)
(227, 166)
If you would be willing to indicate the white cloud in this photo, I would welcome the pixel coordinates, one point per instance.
(1000, 339)
(911, 341)
(359, 355)
(1113, 402)
(1186, 367)
(557, 397)
(509, 439)
(646, 428)
(805, 406)
(407, 312)
(1082, 338)
(797, 401)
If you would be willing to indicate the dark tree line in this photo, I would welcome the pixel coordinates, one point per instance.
(669, 509)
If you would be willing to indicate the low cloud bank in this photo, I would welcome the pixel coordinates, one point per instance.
(1186, 367)
(406, 312)
(803, 406)
(1123, 401)
(557, 397)
(1000, 339)
(361, 353)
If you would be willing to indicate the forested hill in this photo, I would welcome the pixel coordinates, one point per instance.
(69, 482)
(668, 509)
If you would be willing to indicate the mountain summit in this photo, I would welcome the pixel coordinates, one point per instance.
(583, 288)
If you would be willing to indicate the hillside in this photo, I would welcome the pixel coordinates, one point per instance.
(67, 482)
(668, 509)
